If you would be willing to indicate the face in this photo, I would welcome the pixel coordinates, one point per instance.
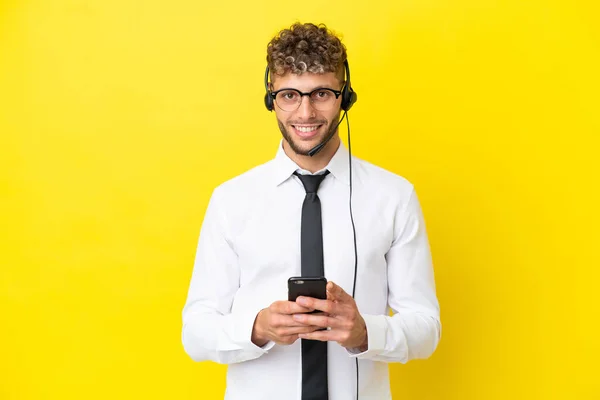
(306, 127)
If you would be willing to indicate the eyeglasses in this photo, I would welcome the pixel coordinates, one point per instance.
(322, 99)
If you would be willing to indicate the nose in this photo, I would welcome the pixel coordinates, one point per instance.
(306, 110)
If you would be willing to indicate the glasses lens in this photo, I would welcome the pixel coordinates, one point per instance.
(323, 99)
(288, 100)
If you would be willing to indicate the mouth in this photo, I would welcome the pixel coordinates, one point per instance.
(307, 131)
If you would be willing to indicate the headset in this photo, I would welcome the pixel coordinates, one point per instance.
(349, 97)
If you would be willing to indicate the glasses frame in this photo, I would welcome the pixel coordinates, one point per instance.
(337, 94)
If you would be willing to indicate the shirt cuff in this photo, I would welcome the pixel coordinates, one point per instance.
(376, 334)
(242, 332)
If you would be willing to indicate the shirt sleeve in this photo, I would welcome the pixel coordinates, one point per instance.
(414, 330)
(211, 331)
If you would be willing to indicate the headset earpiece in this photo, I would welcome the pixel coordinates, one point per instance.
(268, 98)
(269, 102)
(349, 96)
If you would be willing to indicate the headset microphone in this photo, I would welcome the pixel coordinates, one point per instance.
(318, 147)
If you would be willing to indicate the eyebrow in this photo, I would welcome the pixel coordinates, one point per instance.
(309, 91)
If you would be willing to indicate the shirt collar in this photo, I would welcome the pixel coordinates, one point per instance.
(284, 167)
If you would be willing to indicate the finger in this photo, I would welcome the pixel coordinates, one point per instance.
(288, 307)
(329, 288)
(327, 306)
(286, 340)
(323, 321)
(323, 336)
(330, 296)
(287, 321)
(336, 292)
(298, 329)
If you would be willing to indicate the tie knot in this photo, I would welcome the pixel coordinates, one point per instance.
(311, 182)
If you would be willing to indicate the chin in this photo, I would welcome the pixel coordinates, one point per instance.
(301, 148)
(302, 145)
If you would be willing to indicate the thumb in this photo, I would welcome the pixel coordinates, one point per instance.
(335, 292)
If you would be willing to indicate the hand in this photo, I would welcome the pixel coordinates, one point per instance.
(275, 323)
(346, 325)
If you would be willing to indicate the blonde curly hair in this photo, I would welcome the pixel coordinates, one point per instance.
(306, 48)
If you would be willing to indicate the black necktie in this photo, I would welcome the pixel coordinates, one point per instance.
(314, 352)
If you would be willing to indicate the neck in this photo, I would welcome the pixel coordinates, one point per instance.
(316, 162)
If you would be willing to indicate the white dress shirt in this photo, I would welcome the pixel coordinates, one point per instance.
(249, 246)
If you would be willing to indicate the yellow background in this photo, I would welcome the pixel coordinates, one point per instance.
(118, 118)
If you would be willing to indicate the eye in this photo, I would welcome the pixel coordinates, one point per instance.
(321, 96)
(288, 95)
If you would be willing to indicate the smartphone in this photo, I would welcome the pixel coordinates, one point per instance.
(307, 286)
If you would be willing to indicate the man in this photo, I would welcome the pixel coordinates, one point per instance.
(270, 224)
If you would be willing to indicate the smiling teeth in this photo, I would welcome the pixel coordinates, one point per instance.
(306, 129)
